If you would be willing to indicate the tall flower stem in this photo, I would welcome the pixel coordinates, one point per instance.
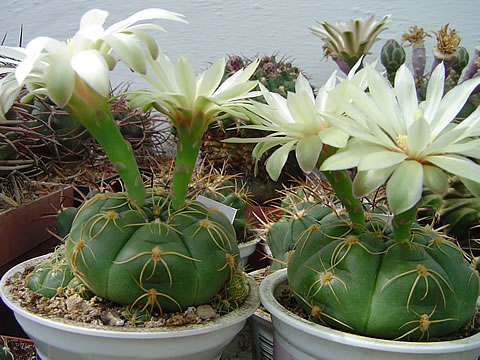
(402, 223)
(342, 185)
(187, 153)
(92, 111)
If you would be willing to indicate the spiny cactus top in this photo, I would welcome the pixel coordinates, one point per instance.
(154, 256)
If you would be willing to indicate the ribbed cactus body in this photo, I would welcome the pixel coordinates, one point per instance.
(51, 277)
(369, 285)
(392, 57)
(151, 256)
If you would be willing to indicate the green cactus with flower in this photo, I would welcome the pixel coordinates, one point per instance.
(155, 249)
(349, 269)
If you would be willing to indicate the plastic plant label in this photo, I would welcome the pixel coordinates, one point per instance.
(228, 211)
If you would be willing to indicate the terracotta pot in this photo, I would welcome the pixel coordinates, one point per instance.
(25, 227)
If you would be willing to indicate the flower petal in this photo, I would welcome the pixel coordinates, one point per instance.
(92, 68)
(308, 151)
(367, 181)
(406, 93)
(457, 165)
(93, 17)
(404, 188)
(472, 186)
(381, 158)
(434, 93)
(435, 179)
(59, 78)
(211, 78)
(185, 79)
(334, 137)
(277, 160)
(128, 50)
(349, 156)
(418, 136)
(452, 103)
(145, 14)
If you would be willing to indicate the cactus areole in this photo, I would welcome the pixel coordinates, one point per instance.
(152, 256)
(366, 283)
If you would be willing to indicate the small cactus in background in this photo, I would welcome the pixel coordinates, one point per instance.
(415, 37)
(392, 57)
(457, 213)
(347, 42)
(446, 48)
(5, 351)
(51, 276)
(228, 190)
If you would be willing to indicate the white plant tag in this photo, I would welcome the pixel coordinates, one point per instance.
(228, 211)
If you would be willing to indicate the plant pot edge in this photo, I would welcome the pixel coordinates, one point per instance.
(247, 309)
(279, 313)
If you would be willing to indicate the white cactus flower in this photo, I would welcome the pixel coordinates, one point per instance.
(396, 139)
(351, 40)
(50, 67)
(296, 124)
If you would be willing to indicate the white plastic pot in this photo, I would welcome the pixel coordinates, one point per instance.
(261, 332)
(246, 249)
(67, 340)
(297, 338)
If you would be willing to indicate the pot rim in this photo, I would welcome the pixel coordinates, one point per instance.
(248, 307)
(280, 313)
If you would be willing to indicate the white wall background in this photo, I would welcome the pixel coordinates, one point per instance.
(246, 27)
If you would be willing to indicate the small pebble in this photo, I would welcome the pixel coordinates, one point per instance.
(206, 312)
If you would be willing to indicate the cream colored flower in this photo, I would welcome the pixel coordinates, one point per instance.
(192, 103)
(395, 139)
(351, 40)
(49, 67)
(296, 124)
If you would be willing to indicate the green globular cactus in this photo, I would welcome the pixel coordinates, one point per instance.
(362, 282)
(51, 276)
(152, 256)
(227, 190)
(459, 64)
(283, 234)
(64, 220)
(232, 294)
(457, 212)
(392, 57)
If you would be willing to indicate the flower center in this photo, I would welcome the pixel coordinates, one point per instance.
(402, 142)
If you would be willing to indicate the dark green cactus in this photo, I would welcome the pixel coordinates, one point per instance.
(136, 316)
(365, 283)
(459, 64)
(392, 57)
(51, 276)
(5, 351)
(153, 256)
(64, 220)
(457, 212)
(227, 190)
(232, 294)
